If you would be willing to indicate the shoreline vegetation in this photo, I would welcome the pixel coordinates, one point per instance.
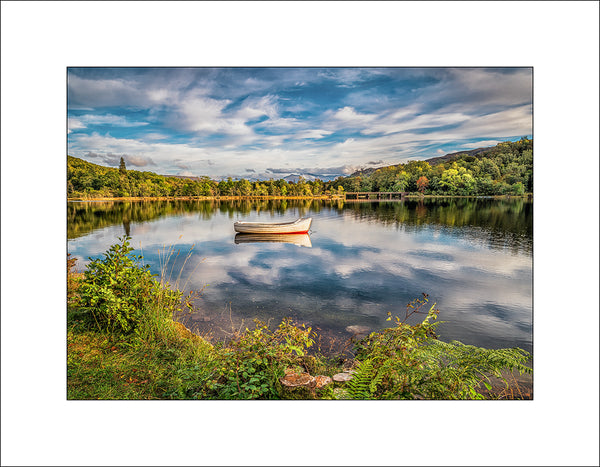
(262, 198)
(123, 343)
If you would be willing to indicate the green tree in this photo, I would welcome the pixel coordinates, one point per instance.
(401, 182)
(244, 187)
(317, 187)
(122, 167)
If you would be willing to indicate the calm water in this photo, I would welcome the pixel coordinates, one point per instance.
(360, 261)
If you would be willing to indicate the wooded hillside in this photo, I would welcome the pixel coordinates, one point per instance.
(506, 169)
(503, 169)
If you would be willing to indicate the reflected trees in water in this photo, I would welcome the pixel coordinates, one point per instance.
(498, 221)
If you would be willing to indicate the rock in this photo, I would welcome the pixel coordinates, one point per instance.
(340, 394)
(321, 381)
(294, 380)
(342, 377)
(358, 329)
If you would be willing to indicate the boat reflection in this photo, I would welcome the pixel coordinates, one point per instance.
(296, 239)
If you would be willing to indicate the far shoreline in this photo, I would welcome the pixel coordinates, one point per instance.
(268, 198)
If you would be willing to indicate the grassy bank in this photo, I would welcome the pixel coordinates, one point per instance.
(123, 344)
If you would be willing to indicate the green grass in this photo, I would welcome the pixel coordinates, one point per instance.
(103, 365)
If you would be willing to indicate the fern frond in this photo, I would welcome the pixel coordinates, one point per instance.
(359, 387)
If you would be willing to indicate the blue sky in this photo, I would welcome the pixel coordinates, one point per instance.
(271, 122)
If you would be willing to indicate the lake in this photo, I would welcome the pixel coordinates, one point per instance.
(361, 260)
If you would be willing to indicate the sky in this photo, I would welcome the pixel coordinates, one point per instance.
(262, 123)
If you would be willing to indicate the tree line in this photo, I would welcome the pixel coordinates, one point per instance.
(87, 180)
(506, 169)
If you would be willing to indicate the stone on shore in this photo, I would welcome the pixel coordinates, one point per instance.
(342, 377)
(322, 381)
(341, 394)
(294, 380)
(357, 329)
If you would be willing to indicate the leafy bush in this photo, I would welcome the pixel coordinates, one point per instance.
(117, 291)
(408, 362)
(254, 360)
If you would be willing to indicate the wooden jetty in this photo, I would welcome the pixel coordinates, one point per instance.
(374, 195)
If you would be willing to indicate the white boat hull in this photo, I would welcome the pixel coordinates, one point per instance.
(299, 226)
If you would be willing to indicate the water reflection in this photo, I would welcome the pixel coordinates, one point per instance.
(296, 239)
(473, 257)
(503, 223)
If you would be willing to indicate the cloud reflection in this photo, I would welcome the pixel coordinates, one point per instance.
(355, 272)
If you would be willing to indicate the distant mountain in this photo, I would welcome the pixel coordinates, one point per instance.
(292, 178)
(370, 170)
(309, 177)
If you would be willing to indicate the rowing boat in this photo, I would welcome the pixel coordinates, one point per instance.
(298, 226)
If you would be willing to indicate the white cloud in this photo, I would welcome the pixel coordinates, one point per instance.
(483, 87)
(312, 134)
(74, 124)
(350, 117)
(515, 121)
(85, 121)
(481, 144)
(408, 111)
(80, 144)
(103, 92)
(389, 124)
(505, 123)
(162, 95)
(139, 161)
(280, 123)
(206, 115)
(155, 136)
(253, 108)
(199, 114)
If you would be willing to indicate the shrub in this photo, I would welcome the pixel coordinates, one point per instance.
(408, 362)
(117, 291)
(254, 360)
